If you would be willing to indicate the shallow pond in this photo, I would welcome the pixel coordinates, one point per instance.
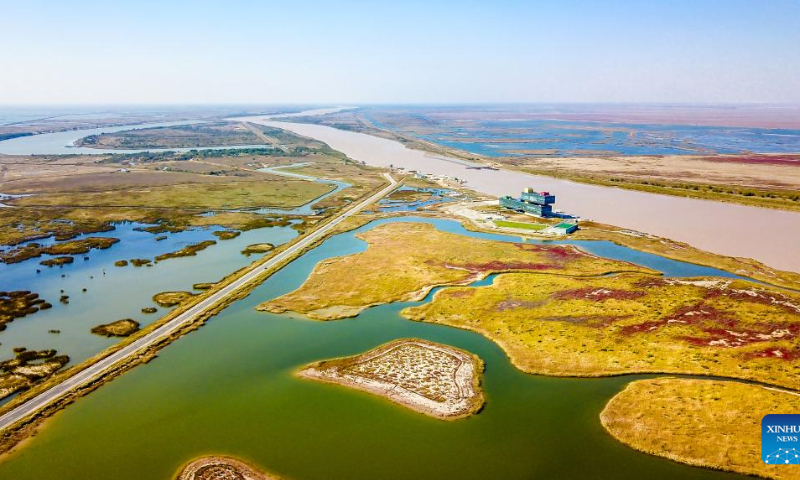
(116, 292)
(229, 388)
(437, 196)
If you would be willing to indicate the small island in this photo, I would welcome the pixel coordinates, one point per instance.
(221, 468)
(18, 304)
(120, 328)
(170, 299)
(227, 234)
(434, 379)
(258, 248)
(57, 261)
(73, 247)
(28, 367)
(187, 251)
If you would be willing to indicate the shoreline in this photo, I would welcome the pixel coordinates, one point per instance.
(466, 378)
(708, 225)
(19, 429)
(739, 458)
(221, 465)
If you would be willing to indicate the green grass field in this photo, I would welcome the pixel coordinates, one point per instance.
(525, 226)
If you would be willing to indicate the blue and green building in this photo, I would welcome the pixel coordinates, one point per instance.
(536, 203)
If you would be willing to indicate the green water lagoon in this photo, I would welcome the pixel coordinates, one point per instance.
(229, 389)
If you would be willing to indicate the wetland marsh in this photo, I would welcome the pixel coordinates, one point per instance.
(243, 399)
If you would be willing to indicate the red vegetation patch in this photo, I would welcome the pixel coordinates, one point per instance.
(787, 160)
(754, 296)
(500, 266)
(781, 353)
(554, 252)
(720, 328)
(597, 294)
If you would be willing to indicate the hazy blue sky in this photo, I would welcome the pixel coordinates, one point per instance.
(237, 51)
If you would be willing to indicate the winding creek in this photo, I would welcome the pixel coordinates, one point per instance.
(228, 388)
(305, 209)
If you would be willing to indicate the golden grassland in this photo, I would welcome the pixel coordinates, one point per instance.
(18, 304)
(73, 247)
(270, 192)
(170, 299)
(631, 323)
(405, 260)
(187, 251)
(257, 248)
(707, 423)
(78, 194)
(120, 328)
(178, 136)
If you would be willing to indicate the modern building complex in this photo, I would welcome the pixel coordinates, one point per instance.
(536, 203)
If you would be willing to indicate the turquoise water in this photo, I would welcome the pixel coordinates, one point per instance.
(229, 388)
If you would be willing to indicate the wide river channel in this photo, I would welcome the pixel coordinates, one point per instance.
(229, 388)
(769, 236)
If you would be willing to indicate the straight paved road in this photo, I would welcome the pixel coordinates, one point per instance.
(98, 369)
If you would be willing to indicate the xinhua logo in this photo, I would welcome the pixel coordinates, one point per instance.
(780, 439)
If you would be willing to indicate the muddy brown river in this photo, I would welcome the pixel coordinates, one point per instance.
(769, 236)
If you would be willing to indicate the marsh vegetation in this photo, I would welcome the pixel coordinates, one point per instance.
(405, 260)
(120, 328)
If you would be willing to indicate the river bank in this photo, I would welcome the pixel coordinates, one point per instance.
(723, 228)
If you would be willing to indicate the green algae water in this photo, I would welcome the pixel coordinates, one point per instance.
(229, 388)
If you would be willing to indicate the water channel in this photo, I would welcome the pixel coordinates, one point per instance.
(767, 235)
(229, 388)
